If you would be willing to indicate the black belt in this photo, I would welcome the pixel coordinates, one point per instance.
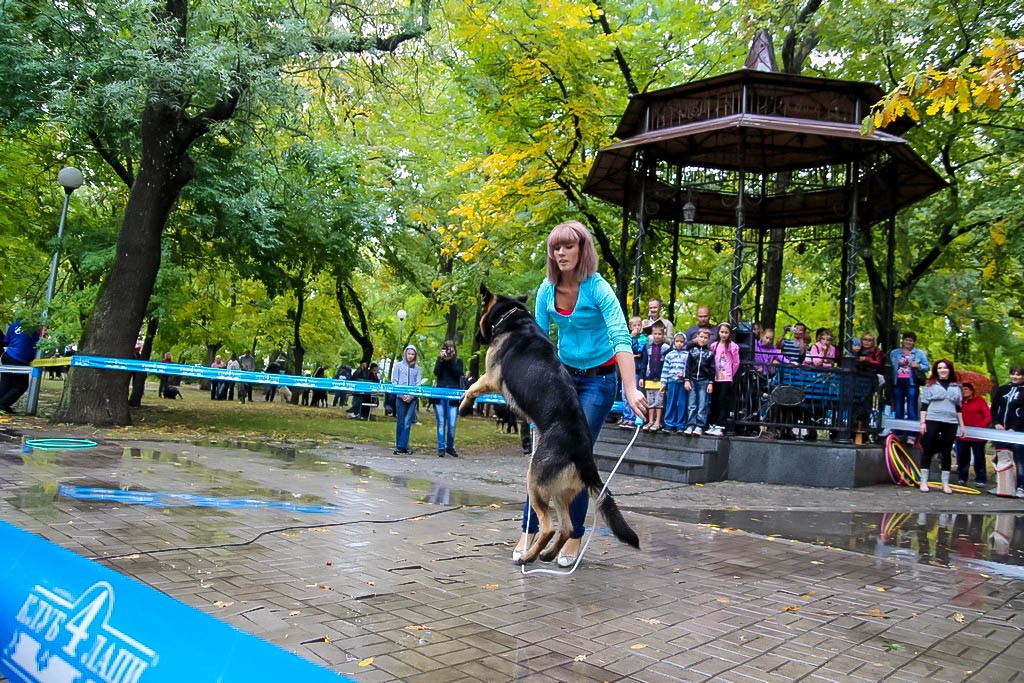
(599, 371)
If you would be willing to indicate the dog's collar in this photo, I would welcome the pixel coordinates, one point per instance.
(505, 316)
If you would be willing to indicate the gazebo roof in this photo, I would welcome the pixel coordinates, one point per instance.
(767, 124)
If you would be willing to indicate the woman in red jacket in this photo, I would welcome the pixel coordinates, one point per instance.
(976, 414)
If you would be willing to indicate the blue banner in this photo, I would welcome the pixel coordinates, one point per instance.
(65, 618)
(326, 383)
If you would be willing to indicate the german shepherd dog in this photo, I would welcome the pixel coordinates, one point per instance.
(523, 366)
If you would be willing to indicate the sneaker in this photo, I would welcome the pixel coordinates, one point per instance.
(698, 432)
(688, 431)
(716, 431)
(1020, 492)
(440, 452)
(452, 452)
(960, 482)
(401, 451)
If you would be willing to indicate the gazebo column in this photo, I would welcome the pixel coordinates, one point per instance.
(641, 229)
(737, 263)
(849, 290)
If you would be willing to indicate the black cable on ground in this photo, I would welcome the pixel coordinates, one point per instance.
(260, 535)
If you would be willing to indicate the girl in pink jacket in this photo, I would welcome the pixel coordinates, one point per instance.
(727, 365)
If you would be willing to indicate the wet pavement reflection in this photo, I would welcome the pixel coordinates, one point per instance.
(960, 540)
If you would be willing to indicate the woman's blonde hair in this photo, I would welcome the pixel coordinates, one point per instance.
(572, 232)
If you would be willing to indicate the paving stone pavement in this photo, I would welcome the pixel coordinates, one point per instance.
(408, 577)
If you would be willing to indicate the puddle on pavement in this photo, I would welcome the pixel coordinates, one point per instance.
(422, 490)
(981, 541)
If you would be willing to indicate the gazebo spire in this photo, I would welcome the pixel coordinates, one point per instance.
(762, 54)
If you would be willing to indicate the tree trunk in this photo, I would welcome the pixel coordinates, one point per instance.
(773, 278)
(343, 293)
(139, 380)
(298, 350)
(100, 397)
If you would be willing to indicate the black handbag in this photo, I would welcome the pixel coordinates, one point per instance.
(919, 377)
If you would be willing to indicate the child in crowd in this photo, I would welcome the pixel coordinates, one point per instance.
(824, 354)
(673, 374)
(639, 341)
(727, 364)
(699, 374)
(651, 360)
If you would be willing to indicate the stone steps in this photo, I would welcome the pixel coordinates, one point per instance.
(683, 459)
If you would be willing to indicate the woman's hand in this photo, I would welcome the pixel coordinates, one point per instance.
(637, 401)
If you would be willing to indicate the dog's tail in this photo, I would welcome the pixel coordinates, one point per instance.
(616, 522)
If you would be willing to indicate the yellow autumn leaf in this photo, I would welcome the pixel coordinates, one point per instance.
(790, 608)
(958, 617)
(724, 601)
(637, 646)
(417, 628)
(366, 662)
(490, 586)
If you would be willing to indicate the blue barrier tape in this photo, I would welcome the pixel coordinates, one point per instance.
(163, 499)
(890, 424)
(246, 377)
(65, 618)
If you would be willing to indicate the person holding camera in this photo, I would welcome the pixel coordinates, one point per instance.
(447, 375)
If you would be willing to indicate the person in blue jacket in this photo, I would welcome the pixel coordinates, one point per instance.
(593, 344)
(909, 369)
(19, 349)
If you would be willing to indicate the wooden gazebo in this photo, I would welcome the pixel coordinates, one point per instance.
(760, 152)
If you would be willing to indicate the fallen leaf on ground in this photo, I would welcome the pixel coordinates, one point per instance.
(958, 618)
(724, 601)
(790, 608)
(417, 628)
(638, 646)
(294, 613)
(652, 622)
(366, 662)
(579, 658)
(221, 603)
(490, 586)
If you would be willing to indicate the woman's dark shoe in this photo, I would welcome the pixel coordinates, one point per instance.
(451, 452)
(440, 453)
(401, 451)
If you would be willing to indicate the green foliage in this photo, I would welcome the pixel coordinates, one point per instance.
(417, 176)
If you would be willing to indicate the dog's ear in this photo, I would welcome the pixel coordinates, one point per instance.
(485, 293)
(522, 298)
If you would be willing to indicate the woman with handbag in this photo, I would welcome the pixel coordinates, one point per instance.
(910, 371)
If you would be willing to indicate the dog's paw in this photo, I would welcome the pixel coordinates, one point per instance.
(466, 409)
(549, 555)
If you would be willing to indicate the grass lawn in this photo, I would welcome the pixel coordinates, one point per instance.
(196, 416)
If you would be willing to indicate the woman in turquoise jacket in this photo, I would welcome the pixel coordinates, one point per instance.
(593, 343)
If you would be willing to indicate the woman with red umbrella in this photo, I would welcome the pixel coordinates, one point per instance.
(976, 414)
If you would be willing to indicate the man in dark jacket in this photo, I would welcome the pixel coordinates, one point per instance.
(1008, 414)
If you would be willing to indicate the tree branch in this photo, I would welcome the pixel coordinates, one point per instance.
(108, 156)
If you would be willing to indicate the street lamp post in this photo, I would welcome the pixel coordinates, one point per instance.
(70, 178)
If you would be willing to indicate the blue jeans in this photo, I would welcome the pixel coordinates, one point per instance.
(699, 403)
(905, 398)
(966, 451)
(405, 415)
(675, 405)
(597, 394)
(446, 412)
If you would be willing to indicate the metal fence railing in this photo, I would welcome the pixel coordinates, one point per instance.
(798, 401)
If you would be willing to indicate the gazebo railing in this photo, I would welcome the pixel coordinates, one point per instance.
(798, 401)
